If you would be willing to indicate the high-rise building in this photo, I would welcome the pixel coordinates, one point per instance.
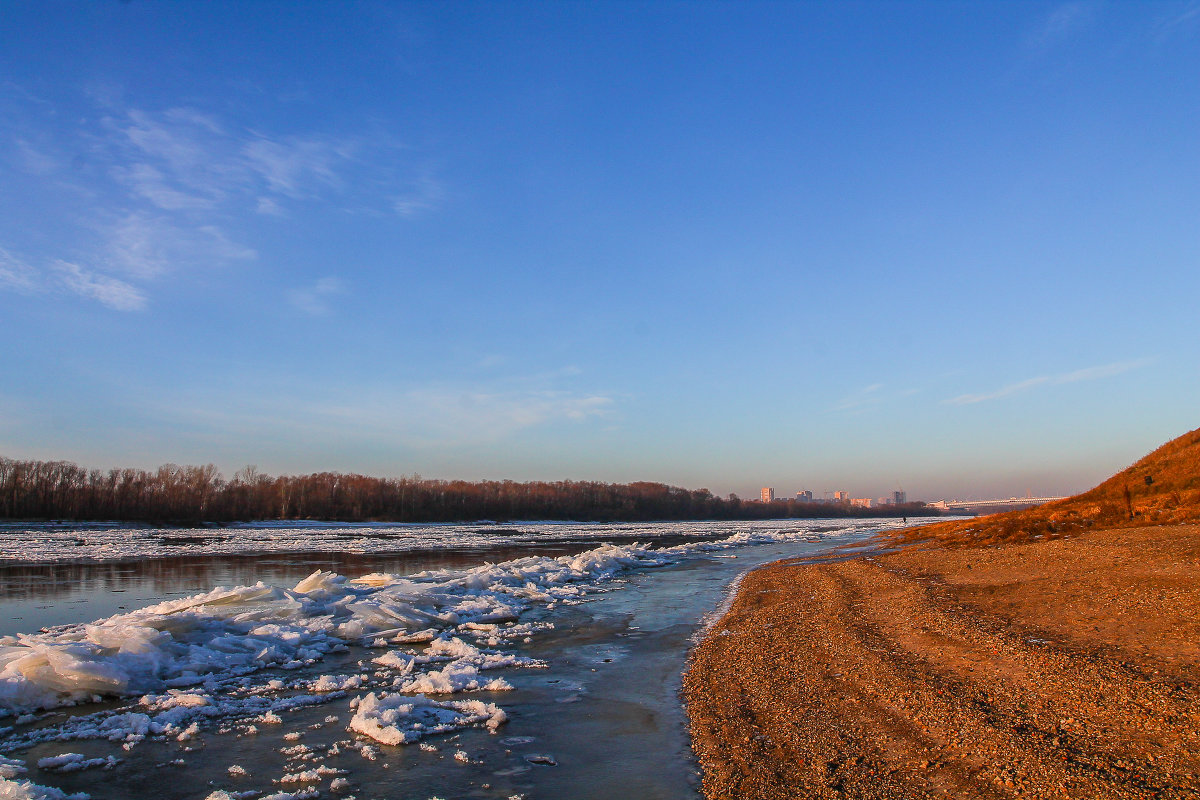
(767, 494)
(841, 497)
(899, 496)
(804, 496)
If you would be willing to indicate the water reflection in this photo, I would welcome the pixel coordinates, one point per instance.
(171, 575)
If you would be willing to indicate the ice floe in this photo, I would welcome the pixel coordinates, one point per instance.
(240, 630)
(73, 762)
(403, 719)
(22, 789)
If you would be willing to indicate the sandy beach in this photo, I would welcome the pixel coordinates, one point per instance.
(1062, 668)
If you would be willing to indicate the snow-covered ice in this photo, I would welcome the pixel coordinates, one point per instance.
(403, 719)
(73, 762)
(90, 542)
(188, 666)
(234, 631)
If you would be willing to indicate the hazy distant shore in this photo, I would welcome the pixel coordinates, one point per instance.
(1064, 668)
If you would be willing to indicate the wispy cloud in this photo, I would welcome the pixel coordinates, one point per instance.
(314, 300)
(1103, 371)
(1062, 23)
(436, 417)
(266, 205)
(491, 361)
(429, 417)
(1180, 18)
(181, 159)
(866, 396)
(16, 274)
(111, 292)
(152, 184)
(19, 275)
(1086, 374)
(1004, 391)
(296, 167)
(145, 245)
(168, 189)
(33, 160)
(175, 160)
(138, 245)
(872, 395)
(427, 193)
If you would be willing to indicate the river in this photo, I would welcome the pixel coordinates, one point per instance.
(589, 643)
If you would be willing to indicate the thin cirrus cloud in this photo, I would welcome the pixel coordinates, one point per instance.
(16, 274)
(426, 194)
(114, 293)
(872, 396)
(65, 276)
(867, 396)
(144, 245)
(183, 160)
(315, 300)
(1178, 20)
(1062, 23)
(1086, 374)
(167, 188)
(436, 417)
(427, 417)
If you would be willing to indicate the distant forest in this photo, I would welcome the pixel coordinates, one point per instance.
(60, 490)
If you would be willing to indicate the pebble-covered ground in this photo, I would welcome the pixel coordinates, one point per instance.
(1055, 669)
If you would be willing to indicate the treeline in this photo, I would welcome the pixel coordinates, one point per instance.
(54, 490)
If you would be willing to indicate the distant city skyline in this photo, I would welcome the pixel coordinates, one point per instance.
(898, 497)
(950, 247)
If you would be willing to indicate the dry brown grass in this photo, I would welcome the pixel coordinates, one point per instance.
(1162, 488)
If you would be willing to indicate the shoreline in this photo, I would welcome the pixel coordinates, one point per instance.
(1060, 668)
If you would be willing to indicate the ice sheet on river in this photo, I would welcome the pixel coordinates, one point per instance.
(46, 543)
(236, 631)
(191, 664)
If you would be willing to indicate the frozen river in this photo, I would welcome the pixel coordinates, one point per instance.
(532, 661)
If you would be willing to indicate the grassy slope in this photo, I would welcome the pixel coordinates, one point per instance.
(1124, 500)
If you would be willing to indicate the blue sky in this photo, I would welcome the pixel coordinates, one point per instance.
(948, 246)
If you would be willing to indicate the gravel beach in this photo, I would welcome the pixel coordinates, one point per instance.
(1064, 668)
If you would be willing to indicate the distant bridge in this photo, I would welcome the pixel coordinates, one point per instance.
(977, 505)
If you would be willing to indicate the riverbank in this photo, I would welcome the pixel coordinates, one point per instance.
(1057, 668)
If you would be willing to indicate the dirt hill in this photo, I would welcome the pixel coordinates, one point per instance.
(1162, 488)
